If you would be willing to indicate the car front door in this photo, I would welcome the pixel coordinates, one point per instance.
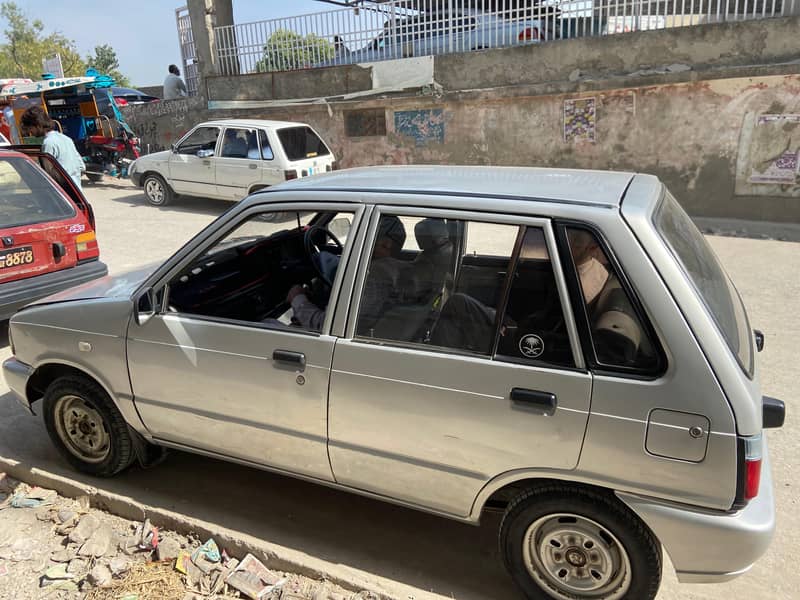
(238, 167)
(461, 365)
(221, 367)
(192, 164)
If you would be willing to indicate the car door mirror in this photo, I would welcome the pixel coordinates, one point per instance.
(205, 153)
(145, 306)
(174, 148)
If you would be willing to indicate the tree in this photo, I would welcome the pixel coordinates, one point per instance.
(27, 44)
(287, 50)
(105, 61)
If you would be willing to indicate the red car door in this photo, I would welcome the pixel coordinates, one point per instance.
(41, 229)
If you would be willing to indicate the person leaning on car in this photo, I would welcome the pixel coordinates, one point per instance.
(37, 123)
(380, 289)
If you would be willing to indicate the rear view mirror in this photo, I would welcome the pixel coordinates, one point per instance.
(174, 148)
(205, 153)
(145, 306)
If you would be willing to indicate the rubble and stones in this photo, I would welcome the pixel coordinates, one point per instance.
(62, 549)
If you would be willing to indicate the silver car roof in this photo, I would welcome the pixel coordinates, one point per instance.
(600, 188)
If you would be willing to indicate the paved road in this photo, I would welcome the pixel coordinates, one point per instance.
(433, 554)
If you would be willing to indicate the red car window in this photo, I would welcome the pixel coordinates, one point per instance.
(27, 197)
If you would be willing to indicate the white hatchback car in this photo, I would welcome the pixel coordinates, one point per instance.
(231, 158)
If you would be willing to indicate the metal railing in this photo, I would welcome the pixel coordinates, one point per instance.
(401, 29)
(188, 51)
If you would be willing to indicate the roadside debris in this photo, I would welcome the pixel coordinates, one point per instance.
(57, 548)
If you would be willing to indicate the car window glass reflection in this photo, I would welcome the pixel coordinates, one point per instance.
(274, 269)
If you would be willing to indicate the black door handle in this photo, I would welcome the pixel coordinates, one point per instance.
(541, 401)
(287, 356)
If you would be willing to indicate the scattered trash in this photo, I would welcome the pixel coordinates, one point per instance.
(253, 579)
(168, 550)
(58, 572)
(34, 498)
(209, 551)
(182, 561)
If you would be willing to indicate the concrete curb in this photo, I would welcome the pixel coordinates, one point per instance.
(273, 555)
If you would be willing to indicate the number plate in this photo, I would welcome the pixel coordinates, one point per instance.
(16, 257)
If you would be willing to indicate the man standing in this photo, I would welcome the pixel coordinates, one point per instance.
(36, 123)
(173, 84)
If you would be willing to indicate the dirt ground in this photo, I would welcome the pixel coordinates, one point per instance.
(61, 548)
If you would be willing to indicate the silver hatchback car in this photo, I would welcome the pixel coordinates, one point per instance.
(563, 344)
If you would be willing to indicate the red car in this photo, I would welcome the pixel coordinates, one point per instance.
(47, 232)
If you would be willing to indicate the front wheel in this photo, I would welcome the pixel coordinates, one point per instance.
(156, 190)
(86, 426)
(569, 543)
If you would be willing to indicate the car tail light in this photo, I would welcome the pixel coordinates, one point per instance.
(121, 101)
(86, 245)
(749, 476)
(529, 33)
(290, 174)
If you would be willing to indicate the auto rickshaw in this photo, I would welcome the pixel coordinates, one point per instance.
(84, 109)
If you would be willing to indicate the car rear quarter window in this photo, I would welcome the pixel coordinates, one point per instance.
(28, 197)
(702, 267)
(300, 143)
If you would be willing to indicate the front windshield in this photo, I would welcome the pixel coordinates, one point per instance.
(703, 268)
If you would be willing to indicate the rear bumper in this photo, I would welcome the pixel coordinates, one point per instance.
(17, 374)
(16, 294)
(707, 546)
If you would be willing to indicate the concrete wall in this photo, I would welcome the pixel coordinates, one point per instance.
(704, 128)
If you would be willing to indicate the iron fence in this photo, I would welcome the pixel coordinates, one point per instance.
(188, 53)
(401, 29)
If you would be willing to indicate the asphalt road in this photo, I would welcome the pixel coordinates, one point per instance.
(433, 554)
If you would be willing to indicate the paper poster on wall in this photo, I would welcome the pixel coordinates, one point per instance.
(774, 158)
(422, 125)
(580, 119)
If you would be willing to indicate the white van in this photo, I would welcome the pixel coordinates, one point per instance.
(231, 158)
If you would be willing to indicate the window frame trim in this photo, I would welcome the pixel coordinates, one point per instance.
(582, 317)
(519, 221)
(163, 282)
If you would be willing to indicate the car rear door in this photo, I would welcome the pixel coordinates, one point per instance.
(238, 165)
(431, 417)
(305, 152)
(41, 227)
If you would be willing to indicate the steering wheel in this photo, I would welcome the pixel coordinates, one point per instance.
(313, 251)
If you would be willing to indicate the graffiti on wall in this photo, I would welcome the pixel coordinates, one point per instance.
(424, 126)
(580, 120)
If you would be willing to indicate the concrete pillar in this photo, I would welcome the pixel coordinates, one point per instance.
(205, 15)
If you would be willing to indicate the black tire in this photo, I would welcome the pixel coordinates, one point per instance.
(94, 177)
(156, 190)
(537, 509)
(73, 398)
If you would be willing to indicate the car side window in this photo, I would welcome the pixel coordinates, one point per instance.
(266, 149)
(202, 138)
(533, 328)
(436, 281)
(239, 143)
(619, 337)
(258, 269)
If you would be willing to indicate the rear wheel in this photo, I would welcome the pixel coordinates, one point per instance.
(86, 426)
(567, 542)
(95, 177)
(156, 190)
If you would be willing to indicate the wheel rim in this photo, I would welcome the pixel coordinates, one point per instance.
(572, 556)
(154, 191)
(82, 429)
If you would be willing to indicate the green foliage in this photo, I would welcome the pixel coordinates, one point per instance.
(287, 50)
(26, 44)
(105, 61)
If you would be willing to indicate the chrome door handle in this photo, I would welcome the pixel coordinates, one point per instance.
(252, 166)
(289, 357)
(543, 402)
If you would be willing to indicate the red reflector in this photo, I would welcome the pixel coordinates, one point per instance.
(752, 478)
(290, 174)
(529, 33)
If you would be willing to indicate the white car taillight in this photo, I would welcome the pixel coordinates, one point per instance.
(752, 466)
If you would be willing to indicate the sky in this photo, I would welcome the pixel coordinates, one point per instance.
(143, 32)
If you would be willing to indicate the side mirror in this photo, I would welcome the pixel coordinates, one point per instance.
(144, 306)
(174, 148)
(205, 153)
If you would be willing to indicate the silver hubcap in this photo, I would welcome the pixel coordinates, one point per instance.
(154, 191)
(571, 556)
(82, 429)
